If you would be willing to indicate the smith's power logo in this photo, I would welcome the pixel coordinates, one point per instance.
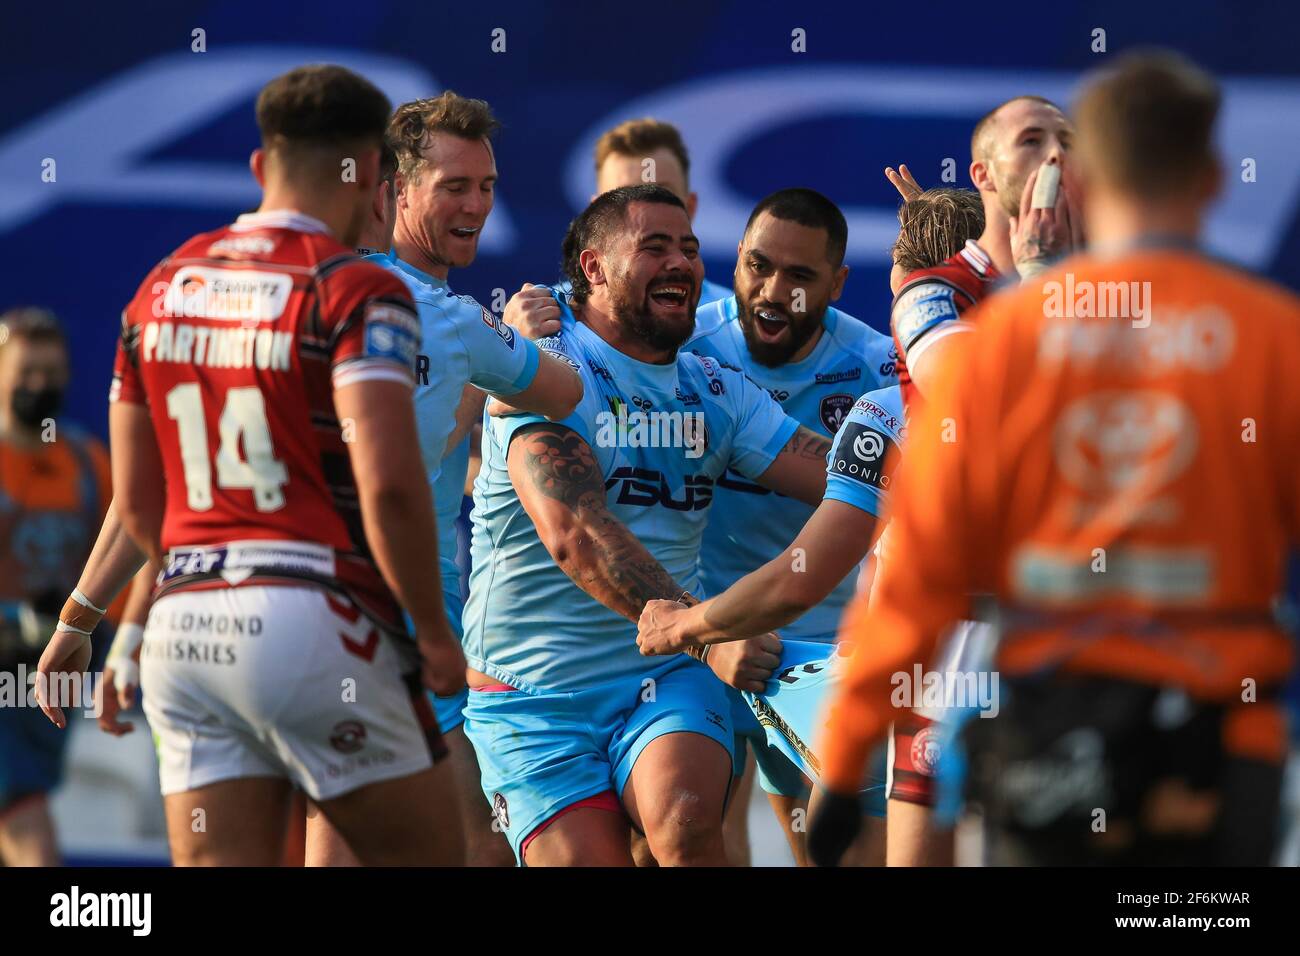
(645, 488)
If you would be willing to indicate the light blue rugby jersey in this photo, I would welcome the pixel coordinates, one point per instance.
(464, 344)
(751, 525)
(526, 623)
(855, 467)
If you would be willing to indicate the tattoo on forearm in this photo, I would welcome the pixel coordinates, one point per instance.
(561, 466)
(806, 443)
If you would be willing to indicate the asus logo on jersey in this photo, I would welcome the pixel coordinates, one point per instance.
(645, 488)
(860, 455)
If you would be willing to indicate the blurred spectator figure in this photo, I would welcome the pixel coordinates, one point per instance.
(54, 491)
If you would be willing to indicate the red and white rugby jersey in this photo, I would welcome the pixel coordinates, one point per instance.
(236, 342)
(930, 302)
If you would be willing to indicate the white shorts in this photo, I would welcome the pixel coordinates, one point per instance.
(276, 682)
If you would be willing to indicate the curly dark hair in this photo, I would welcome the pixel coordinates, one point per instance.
(594, 225)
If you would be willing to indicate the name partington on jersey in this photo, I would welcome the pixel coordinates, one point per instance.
(244, 296)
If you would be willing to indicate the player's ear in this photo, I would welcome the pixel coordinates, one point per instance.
(257, 164)
(692, 201)
(979, 175)
(592, 268)
(837, 284)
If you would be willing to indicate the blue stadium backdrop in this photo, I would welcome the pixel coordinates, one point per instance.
(150, 139)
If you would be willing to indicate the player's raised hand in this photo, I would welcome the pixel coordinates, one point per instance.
(657, 631)
(442, 662)
(533, 312)
(66, 656)
(746, 665)
(903, 181)
(1042, 233)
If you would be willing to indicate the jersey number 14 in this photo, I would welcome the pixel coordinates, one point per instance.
(244, 415)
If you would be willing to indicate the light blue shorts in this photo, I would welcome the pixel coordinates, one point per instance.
(790, 711)
(539, 753)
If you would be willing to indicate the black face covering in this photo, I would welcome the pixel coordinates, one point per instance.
(31, 408)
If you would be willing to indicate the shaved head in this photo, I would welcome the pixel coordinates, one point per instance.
(981, 140)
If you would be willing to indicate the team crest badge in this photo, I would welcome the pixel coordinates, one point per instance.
(926, 751)
(836, 408)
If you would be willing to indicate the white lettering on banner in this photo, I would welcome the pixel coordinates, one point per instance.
(108, 128)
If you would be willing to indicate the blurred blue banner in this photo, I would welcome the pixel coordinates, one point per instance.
(150, 139)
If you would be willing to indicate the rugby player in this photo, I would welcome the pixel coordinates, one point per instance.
(928, 320)
(832, 543)
(1144, 687)
(1008, 146)
(577, 524)
(295, 513)
(780, 329)
(443, 192)
(637, 151)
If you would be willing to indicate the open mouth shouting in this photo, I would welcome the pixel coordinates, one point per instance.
(672, 294)
(770, 324)
(465, 232)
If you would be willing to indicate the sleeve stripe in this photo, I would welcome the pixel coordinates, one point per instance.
(371, 370)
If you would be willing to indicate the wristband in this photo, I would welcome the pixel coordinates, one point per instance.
(700, 652)
(126, 641)
(697, 651)
(79, 615)
(86, 602)
(121, 656)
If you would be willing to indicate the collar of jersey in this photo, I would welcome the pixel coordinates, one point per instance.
(280, 219)
(799, 370)
(660, 376)
(416, 274)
